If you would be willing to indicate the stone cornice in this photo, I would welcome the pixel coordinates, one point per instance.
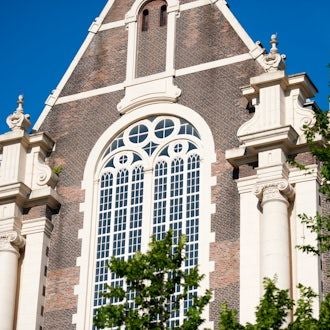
(45, 196)
(42, 140)
(12, 137)
(26, 198)
(39, 225)
(17, 192)
(284, 137)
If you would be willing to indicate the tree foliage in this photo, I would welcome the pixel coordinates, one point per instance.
(150, 294)
(275, 308)
(321, 149)
(318, 137)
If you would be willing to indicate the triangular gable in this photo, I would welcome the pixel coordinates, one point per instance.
(112, 17)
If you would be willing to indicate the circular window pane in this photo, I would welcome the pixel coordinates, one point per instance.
(138, 133)
(164, 128)
(123, 159)
(178, 147)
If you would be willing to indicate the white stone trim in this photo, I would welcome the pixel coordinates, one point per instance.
(249, 249)
(112, 25)
(177, 73)
(213, 64)
(307, 183)
(90, 184)
(91, 93)
(194, 4)
(134, 11)
(32, 277)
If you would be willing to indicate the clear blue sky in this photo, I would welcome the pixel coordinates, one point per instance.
(39, 38)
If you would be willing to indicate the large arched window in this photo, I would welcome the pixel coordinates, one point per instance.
(149, 183)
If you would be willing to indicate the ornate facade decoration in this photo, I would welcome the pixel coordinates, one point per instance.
(18, 120)
(11, 240)
(278, 190)
(274, 61)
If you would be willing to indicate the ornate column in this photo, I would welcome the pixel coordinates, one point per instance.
(268, 226)
(275, 231)
(10, 244)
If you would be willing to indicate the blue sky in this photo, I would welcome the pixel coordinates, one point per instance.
(39, 38)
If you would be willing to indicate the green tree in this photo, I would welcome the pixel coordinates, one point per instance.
(318, 137)
(274, 309)
(151, 281)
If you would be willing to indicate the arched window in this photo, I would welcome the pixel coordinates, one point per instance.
(145, 20)
(163, 15)
(149, 183)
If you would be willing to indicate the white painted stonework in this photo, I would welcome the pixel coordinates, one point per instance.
(25, 181)
(272, 200)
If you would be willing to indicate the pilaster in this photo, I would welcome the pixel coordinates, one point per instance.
(33, 271)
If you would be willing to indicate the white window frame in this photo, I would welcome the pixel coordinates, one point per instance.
(90, 183)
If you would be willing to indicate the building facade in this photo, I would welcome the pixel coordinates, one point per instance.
(169, 117)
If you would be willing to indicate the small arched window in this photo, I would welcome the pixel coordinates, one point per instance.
(145, 20)
(163, 15)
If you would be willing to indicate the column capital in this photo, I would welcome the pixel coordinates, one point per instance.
(277, 190)
(11, 241)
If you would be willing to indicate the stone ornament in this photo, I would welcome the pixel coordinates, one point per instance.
(11, 240)
(278, 190)
(43, 175)
(18, 120)
(274, 61)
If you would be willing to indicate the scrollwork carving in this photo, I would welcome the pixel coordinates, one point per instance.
(43, 174)
(11, 240)
(278, 190)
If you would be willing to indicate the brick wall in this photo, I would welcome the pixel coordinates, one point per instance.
(204, 35)
(103, 64)
(76, 127)
(118, 10)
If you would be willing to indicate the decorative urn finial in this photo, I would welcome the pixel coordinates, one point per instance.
(274, 61)
(18, 120)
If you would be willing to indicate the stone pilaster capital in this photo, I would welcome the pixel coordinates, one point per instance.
(11, 241)
(278, 190)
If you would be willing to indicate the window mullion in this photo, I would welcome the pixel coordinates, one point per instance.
(112, 216)
(168, 195)
(184, 214)
(128, 212)
(147, 210)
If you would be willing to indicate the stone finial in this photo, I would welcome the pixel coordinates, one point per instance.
(18, 120)
(274, 61)
(274, 43)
